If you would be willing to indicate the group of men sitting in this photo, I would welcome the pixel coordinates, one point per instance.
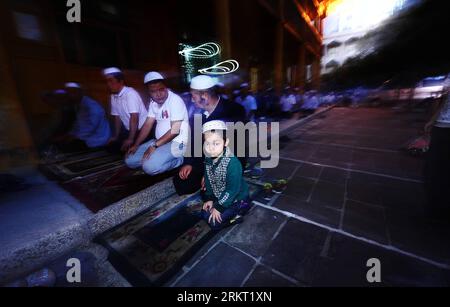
(134, 121)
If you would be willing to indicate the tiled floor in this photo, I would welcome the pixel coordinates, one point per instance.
(352, 195)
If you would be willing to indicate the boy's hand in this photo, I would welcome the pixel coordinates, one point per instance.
(208, 206)
(215, 217)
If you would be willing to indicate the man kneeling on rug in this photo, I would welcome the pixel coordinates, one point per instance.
(169, 113)
(226, 196)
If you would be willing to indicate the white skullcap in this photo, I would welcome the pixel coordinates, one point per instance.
(152, 76)
(202, 82)
(236, 92)
(72, 85)
(244, 85)
(111, 70)
(214, 125)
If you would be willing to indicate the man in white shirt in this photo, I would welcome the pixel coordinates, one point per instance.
(248, 102)
(127, 109)
(169, 113)
(287, 102)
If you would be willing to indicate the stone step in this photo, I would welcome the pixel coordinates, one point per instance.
(24, 257)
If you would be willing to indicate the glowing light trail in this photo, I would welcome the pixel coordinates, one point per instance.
(204, 51)
(222, 68)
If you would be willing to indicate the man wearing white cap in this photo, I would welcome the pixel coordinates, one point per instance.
(127, 109)
(204, 95)
(91, 124)
(287, 102)
(169, 113)
(247, 101)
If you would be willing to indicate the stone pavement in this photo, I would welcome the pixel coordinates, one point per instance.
(352, 195)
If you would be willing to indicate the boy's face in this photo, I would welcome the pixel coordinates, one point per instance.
(214, 144)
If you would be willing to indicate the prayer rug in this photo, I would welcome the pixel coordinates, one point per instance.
(148, 250)
(102, 189)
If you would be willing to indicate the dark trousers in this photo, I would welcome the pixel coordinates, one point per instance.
(226, 216)
(437, 172)
(192, 184)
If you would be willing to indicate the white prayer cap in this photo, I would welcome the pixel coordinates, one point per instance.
(111, 70)
(244, 85)
(152, 76)
(72, 85)
(236, 92)
(214, 125)
(202, 82)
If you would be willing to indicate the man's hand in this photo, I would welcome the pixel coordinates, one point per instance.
(132, 150)
(215, 217)
(126, 145)
(208, 206)
(185, 171)
(112, 140)
(148, 153)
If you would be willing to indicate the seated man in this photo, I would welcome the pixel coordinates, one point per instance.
(248, 101)
(84, 118)
(91, 125)
(127, 109)
(172, 130)
(204, 95)
(287, 103)
(311, 103)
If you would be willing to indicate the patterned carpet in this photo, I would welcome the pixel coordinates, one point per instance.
(102, 189)
(67, 167)
(149, 249)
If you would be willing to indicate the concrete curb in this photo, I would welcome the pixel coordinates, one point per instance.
(37, 254)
